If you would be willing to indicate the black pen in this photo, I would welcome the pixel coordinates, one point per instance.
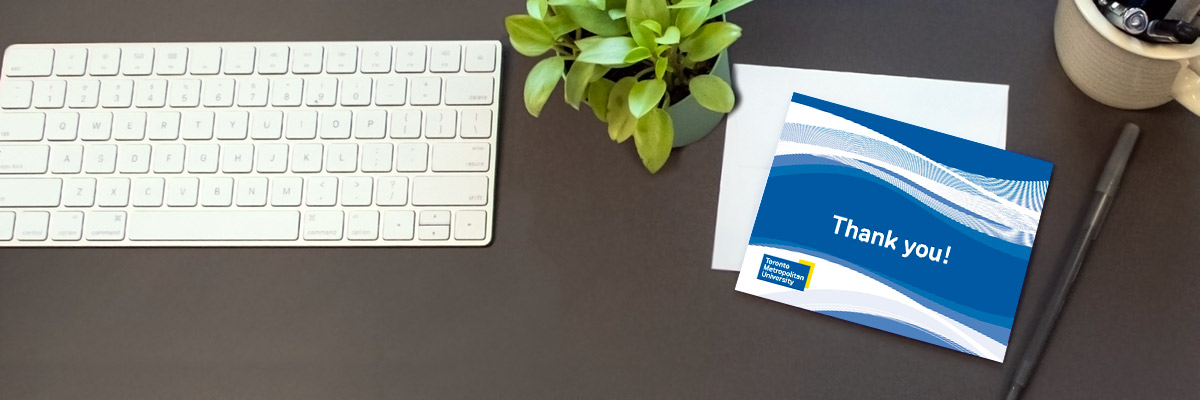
(1101, 201)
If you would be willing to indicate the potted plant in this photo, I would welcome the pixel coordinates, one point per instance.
(653, 70)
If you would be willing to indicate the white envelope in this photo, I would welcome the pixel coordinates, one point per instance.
(972, 111)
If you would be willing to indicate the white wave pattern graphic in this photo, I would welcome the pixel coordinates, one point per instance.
(834, 287)
(1007, 207)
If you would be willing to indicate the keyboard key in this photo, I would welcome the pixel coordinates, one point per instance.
(147, 192)
(232, 125)
(434, 217)
(216, 192)
(129, 126)
(251, 192)
(433, 232)
(356, 91)
(450, 191)
(204, 60)
(28, 62)
(196, 125)
(301, 125)
(343, 59)
(377, 157)
(445, 57)
(70, 61)
(49, 94)
(272, 158)
(321, 92)
(398, 225)
(426, 91)
(390, 91)
(168, 158)
(79, 192)
(392, 191)
(37, 192)
(470, 225)
(306, 59)
(209, 225)
(133, 159)
(238, 60)
(237, 158)
(335, 124)
(370, 124)
(116, 93)
(476, 124)
(321, 192)
(356, 191)
(480, 57)
(272, 59)
(23, 160)
(202, 158)
(468, 91)
(182, 192)
(104, 61)
(95, 126)
(406, 124)
(100, 159)
(376, 59)
(461, 157)
(104, 225)
(286, 191)
(307, 157)
(266, 125)
(170, 60)
(439, 124)
(343, 157)
(112, 192)
(362, 225)
(16, 94)
(66, 159)
(410, 58)
(150, 93)
(323, 225)
(286, 92)
(162, 125)
(218, 92)
(66, 226)
(252, 92)
(184, 93)
(412, 157)
(137, 61)
(32, 225)
(19, 127)
(60, 126)
(7, 220)
(83, 93)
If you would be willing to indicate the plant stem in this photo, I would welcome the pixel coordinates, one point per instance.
(643, 72)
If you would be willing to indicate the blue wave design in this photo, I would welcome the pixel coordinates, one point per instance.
(898, 327)
(1019, 228)
(993, 326)
(979, 230)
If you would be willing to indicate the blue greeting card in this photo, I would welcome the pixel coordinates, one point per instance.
(896, 227)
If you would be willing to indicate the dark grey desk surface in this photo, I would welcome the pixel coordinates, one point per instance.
(598, 282)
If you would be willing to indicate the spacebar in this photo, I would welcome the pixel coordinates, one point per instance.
(214, 225)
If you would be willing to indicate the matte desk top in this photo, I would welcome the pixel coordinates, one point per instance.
(598, 284)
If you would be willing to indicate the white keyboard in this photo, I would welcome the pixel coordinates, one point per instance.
(249, 144)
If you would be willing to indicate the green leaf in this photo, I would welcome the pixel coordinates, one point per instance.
(646, 95)
(690, 4)
(712, 92)
(723, 7)
(541, 81)
(599, 4)
(660, 68)
(605, 50)
(652, 26)
(536, 8)
(616, 13)
(597, 97)
(577, 82)
(671, 36)
(712, 38)
(689, 19)
(638, 54)
(599, 73)
(642, 35)
(653, 137)
(528, 35)
(570, 3)
(637, 11)
(621, 122)
(560, 25)
(594, 20)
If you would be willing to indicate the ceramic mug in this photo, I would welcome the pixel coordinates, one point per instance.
(1120, 70)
